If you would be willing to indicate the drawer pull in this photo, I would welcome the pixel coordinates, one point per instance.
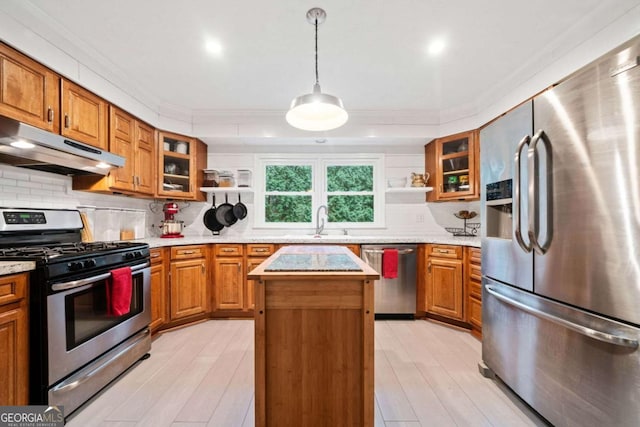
(260, 250)
(443, 251)
(155, 255)
(228, 250)
(188, 252)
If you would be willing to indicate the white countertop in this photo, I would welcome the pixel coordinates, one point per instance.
(12, 267)
(324, 240)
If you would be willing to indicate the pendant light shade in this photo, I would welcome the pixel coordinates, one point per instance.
(317, 111)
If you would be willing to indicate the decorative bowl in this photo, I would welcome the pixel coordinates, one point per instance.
(397, 182)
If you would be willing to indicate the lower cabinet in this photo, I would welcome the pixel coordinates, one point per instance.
(450, 284)
(443, 282)
(229, 277)
(256, 253)
(14, 340)
(159, 315)
(473, 280)
(188, 281)
(233, 291)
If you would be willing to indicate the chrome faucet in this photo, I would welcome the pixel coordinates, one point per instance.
(320, 225)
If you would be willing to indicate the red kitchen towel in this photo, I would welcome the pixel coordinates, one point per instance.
(119, 288)
(390, 263)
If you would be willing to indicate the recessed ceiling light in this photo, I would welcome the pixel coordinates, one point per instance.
(214, 47)
(436, 47)
(21, 143)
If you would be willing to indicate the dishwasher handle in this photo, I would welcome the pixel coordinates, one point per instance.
(380, 251)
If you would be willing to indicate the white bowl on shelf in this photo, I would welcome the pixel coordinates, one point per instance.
(397, 182)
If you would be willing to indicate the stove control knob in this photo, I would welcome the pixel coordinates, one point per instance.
(74, 266)
(89, 263)
(137, 254)
(129, 255)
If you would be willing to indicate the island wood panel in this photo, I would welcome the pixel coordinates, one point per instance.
(314, 344)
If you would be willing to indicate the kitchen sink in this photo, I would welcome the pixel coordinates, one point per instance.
(316, 237)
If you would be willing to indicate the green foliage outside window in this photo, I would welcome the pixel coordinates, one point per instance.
(350, 208)
(288, 178)
(288, 209)
(350, 178)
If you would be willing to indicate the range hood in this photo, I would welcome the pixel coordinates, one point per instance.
(50, 152)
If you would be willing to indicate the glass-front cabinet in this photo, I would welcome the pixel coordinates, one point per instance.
(452, 163)
(177, 166)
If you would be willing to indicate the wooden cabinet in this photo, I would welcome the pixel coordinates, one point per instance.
(136, 142)
(85, 116)
(452, 163)
(159, 314)
(229, 278)
(188, 281)
(444, 282)
(180, 163)
(29, 92)
(473, 285)
(256, 254)
(14, 340)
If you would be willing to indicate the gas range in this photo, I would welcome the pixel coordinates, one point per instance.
(52, 239)
(78, 343)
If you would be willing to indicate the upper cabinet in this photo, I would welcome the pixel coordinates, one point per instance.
(135, 141)
(452, 163)
(85, 116)
(29, 92)
(180, 163)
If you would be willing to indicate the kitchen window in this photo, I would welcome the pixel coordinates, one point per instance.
(293, 187)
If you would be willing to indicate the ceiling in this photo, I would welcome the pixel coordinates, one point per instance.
(372, 54)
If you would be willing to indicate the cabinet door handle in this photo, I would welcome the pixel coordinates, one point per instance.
(429, 267)
(50, 114)
(203, 270)
(67, 121)
(239, 267)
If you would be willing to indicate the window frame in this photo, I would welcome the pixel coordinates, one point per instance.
(319, 193)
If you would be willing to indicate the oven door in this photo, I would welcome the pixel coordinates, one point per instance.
(80, 327)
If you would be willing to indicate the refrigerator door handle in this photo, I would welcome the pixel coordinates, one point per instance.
(534, 193)
(581, 329)
(517, 197)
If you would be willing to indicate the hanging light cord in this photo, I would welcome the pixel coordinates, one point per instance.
(317, 50)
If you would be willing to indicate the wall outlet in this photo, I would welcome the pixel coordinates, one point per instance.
(420, 218)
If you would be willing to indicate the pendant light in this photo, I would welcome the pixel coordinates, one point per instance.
(316, 111)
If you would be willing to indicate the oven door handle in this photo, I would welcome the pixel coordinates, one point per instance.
(78, 283)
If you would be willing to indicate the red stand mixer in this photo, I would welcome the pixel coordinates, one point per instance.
(171, 227)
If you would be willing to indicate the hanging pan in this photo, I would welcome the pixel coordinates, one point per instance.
(210, 220)
(239, 209)
(224, 213)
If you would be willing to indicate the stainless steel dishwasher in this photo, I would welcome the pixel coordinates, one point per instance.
(394, 298)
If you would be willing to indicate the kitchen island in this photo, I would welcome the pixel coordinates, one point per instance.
(314, 349)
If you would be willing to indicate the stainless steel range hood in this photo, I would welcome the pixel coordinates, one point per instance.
(51, 152)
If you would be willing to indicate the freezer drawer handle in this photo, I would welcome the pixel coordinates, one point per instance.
(380, 251)
(589, 332)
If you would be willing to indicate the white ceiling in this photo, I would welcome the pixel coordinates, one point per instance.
(371, 53)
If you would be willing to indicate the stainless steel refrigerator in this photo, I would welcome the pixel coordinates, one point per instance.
(561, 245)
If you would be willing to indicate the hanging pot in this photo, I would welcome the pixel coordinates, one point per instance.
(210, 220)
(224, 213)
(240, 210)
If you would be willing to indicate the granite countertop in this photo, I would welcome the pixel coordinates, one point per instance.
(12, 267)
(443, 239)
(316, 262)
